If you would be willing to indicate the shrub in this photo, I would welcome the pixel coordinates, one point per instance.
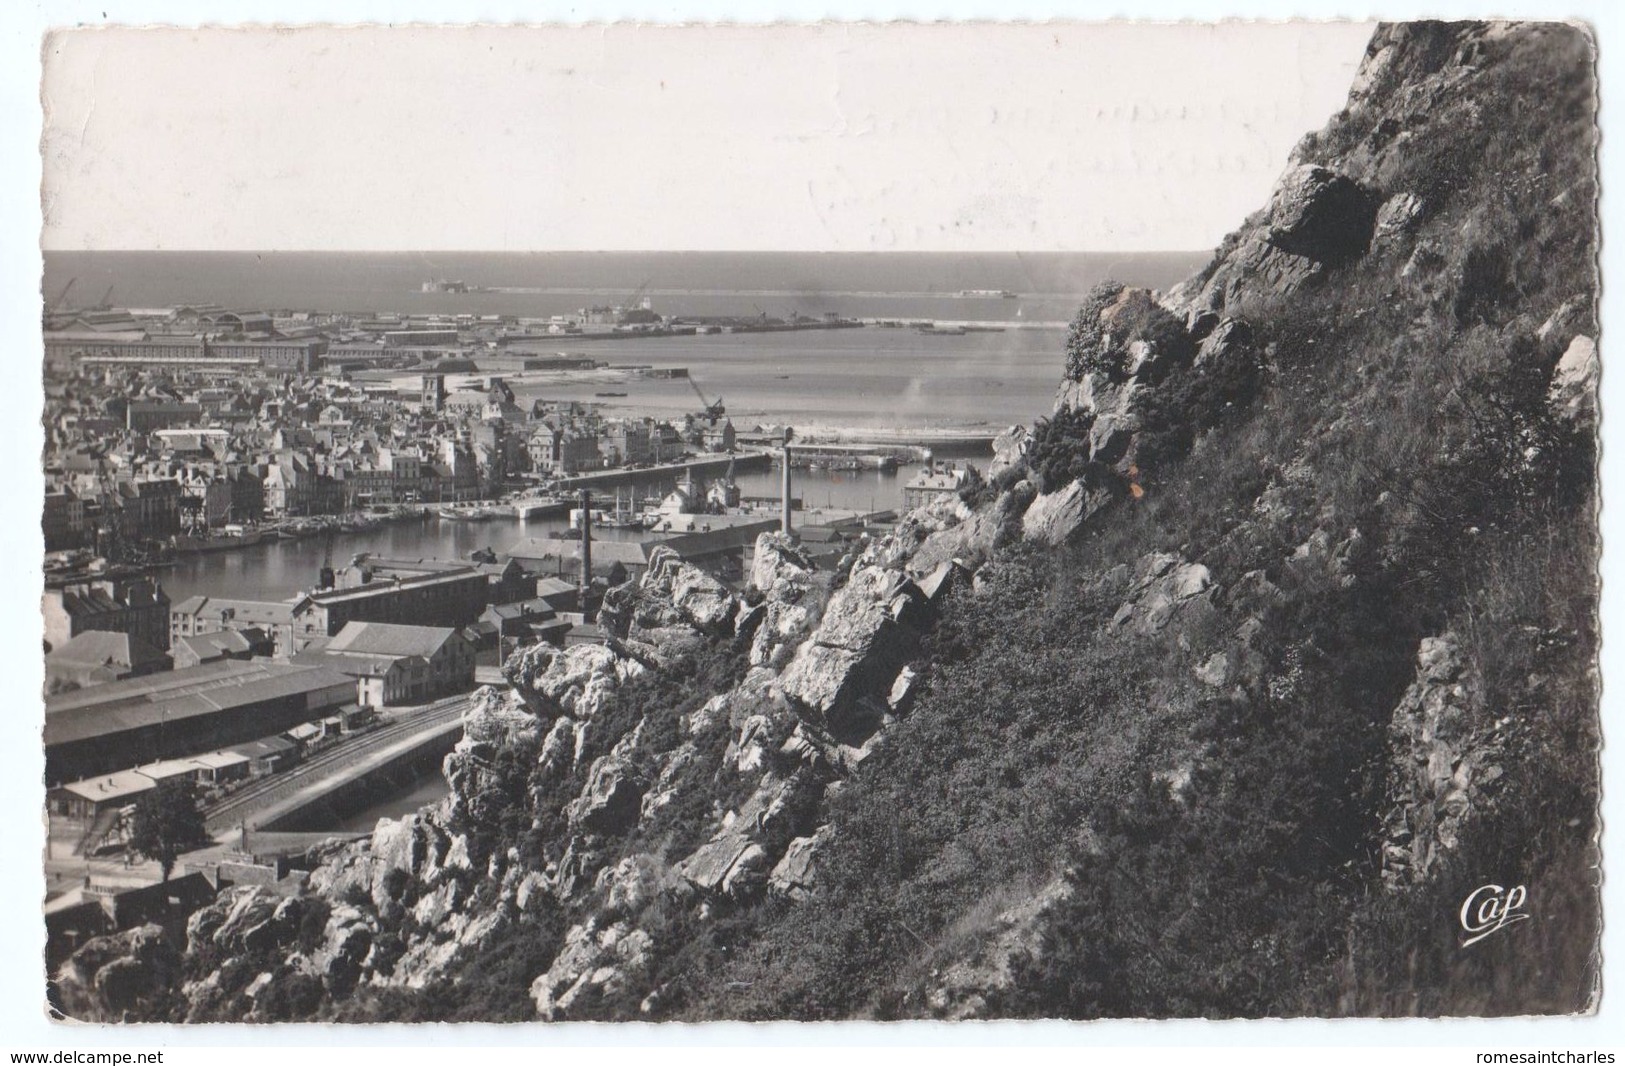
(1059, 454)
(1086, 350)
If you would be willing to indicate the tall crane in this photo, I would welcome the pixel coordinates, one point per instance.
(632, 301)
(56, 304)
(713, 411)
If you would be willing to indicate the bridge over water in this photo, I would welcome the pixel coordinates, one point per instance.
(349, 769)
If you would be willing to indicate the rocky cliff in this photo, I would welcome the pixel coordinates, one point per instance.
(1280, 625)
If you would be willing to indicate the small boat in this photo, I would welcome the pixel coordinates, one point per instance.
(606, 395)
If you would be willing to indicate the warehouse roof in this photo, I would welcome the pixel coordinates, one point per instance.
(384, 638)
(120, 706)
(110, 788)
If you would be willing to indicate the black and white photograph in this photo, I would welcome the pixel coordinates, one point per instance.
(824, 521)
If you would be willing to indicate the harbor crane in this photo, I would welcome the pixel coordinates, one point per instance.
(713, 411)
(56, 304)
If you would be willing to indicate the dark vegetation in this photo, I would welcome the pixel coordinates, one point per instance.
(1409, 407)
(1059, 455)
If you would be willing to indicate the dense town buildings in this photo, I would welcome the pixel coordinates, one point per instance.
(137, 606)
(205, 419)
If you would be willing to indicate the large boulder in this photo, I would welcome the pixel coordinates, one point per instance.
(1055, 516)
(796, 875)
(1112, 436)
(1096, 393)
(245, 919)
(778, 568)
(704, 601)
(1257, 265)
(700, 599)
(858, 647)
(1009, 449)
(1321, 215)
(1230, 339)
(783, 627)
(415, 848)
(347, 940)
(611, 801)
(968, 543)
(732, 866)
(491, 724)
(631, 610)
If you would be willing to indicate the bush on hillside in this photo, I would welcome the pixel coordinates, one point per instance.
(1086, 349)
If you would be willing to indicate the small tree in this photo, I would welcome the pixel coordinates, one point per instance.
(167, 821)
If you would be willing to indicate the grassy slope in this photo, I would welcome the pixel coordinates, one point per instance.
(1404, 407)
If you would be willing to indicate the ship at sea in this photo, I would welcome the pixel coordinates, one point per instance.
(987, 294)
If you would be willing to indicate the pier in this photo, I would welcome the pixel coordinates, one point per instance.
(910, 443)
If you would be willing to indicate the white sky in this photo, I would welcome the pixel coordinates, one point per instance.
(846, 138)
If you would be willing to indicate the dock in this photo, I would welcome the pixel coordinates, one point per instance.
(526, 510)
(912, 443)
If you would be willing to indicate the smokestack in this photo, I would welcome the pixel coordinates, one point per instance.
(586, 549)
(784, 522)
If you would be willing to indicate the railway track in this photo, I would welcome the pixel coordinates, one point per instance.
(268, 790)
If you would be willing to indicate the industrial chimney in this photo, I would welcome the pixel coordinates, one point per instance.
(784, 523)
(586, 549)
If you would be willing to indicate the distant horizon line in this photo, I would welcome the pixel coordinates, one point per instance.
(611, 251)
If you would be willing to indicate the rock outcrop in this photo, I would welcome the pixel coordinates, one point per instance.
(1163, 585)
(119, 977)
(1447, 752)
(1053, 517)
(867, 632)
(1321, 215)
